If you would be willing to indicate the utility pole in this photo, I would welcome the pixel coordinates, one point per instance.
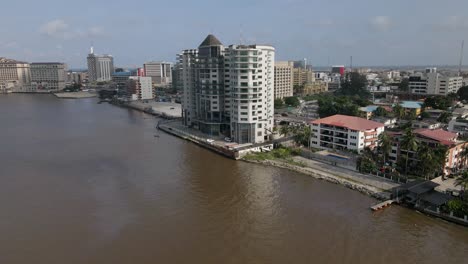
(461, 58)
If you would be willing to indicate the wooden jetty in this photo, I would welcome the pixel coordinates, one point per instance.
(382, 205)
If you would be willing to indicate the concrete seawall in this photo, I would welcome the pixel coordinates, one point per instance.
(373, 191)
(201, 142)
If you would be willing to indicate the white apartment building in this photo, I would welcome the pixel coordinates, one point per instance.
(432, 82)
(14, 75)
(160, 73)
(140, 88)
(229, 90)
(100, 67)
(48, 76)
(284, 79)
(345, 133)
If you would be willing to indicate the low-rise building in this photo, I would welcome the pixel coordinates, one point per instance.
(389, 122)
(433, 139)
(428, 124)
(459, 125)
(140, 88)
(345, 133)
(412, 106)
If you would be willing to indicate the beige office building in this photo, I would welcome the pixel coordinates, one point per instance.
(315, 87)
(302, 76)
(14, 76)
(283, 79)
(48, 76)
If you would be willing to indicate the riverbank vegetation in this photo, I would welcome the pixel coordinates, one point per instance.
(282, 153)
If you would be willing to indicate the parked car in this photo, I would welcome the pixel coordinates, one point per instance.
(210, 140)
(227, 139)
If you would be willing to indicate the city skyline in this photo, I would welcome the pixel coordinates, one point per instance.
(324, 33)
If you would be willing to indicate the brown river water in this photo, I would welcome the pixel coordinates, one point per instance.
(82, 182)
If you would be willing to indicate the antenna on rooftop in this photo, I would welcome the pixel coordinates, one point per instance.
(91, 50)
(351, 64)
(241, 35)
(461, 58)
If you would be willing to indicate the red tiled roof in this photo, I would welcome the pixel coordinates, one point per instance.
(444, 137)
(350, 122)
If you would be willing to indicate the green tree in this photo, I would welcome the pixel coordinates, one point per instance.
(366, 163)
(462, 181)
(380, 111)
(385, 145)
(438, 102)
(464, 156)
(444, 117)
(463, 93)
(278, 103)
(425, 115)
(409, 143)
(302, 135)
(291, 101)
(285, 130)
(426, 162)
(354, 84)
(398, 111)
(411, 115)
(404, 85)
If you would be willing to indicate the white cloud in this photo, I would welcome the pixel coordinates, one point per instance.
(54, 28)
(381, 23)
(60, 29)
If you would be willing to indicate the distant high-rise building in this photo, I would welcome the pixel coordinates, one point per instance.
(48, 76)
(229, 90)
(140, 88)
(15, 75)
(100, 67)
(76, 77)
(160, 73)
(338, 69)
(177, 82)
(432, 82)
(283, 79)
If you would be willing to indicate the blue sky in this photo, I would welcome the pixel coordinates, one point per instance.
(374, 32)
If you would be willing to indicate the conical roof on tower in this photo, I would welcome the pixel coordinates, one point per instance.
(210, 40)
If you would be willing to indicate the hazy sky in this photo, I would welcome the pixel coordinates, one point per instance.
(375, 32)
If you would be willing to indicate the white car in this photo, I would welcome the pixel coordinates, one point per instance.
(210, 140)
(227, 139)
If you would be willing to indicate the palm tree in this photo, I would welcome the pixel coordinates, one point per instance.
(409, 143)
(399, 111)
(385, 144)
(464, 156)
(284, 130)
(462, 181)
(426, 160)
(302, 135)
